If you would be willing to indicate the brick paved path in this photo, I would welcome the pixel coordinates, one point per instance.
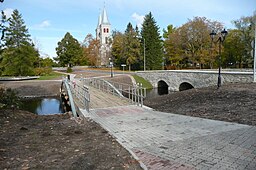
(170, 141)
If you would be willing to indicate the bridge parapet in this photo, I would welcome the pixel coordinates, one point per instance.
(196, 78)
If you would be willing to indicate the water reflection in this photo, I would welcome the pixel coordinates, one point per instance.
(43, 106)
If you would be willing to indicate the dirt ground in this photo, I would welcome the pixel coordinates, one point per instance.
(232, 102)
(29, 141)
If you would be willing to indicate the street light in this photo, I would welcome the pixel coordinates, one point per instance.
(111, 65)
(144, 54)
(221, 39)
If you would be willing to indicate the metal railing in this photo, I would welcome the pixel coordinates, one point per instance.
(81, 93)
(102, 85)
(65, 84)
(135, 93)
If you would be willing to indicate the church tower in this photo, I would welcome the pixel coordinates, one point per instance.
(103, 35)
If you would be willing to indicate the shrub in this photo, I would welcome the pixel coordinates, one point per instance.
(9, 98)
(42, 71)
(69, 70)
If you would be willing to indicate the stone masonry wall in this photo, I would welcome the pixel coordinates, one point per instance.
(196, 78)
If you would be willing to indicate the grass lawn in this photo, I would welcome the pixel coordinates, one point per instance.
(51, 76)
(146, 84)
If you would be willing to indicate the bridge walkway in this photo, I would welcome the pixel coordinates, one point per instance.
(100, 99)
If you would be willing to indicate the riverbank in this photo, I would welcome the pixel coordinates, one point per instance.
(232, 103)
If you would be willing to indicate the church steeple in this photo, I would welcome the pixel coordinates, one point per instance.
(105, 17)
(99, 21)
(103, 34)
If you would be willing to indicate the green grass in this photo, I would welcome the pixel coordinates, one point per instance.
(51, 76)
(146, 84)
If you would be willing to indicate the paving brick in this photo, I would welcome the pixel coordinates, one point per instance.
(169, 141)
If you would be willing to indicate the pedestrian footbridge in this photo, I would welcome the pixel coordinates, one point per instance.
(162, 140)
(94, 93)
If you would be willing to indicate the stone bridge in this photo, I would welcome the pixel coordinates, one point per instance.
(178, 80)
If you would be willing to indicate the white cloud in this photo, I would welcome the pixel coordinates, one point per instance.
(8, 12)
(138, 19)
(44, 24)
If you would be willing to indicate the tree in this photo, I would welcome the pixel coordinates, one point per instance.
(19, 61)
(153, 44)
(245, 26)
(191, 43)
(19, 54)
(196, 40)
(17, 33)
(2, 28)
(117, 51)
(46, 62)
(234, 49)
(2, 31)
(91, 48)
(131, 46)
(173, 53)
(69, 51)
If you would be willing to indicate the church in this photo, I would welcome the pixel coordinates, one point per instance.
(103, 33)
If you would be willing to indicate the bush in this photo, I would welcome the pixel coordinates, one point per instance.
(43, 71)
(9, 98)
(69, 70)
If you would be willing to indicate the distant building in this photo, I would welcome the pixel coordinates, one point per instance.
(103, 33)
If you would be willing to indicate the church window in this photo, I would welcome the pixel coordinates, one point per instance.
(107, 30)
(104, 30)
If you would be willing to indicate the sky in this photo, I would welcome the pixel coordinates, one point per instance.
(49, 20)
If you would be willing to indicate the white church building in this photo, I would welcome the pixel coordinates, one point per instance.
(103, 33)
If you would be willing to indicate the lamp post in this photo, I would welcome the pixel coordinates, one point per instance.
(254, 48)
(111, 66)
(221, 39)
(144, 54)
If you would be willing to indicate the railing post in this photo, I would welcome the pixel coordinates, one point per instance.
(141, 94)
(132, 94)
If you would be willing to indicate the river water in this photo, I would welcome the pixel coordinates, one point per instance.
(43, 106)
(150, 93)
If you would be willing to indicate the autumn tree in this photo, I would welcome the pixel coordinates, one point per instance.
(191, 43)
(19, 53)
(173, 53)
(69, 51)
(153, 43)
(196, 39)
(91, 48)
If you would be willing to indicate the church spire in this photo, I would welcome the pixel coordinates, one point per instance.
(99, 21)
(105, 17)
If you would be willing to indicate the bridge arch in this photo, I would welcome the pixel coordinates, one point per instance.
(185, 86)
(162, 87)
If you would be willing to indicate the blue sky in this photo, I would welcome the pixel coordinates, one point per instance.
(49, 20)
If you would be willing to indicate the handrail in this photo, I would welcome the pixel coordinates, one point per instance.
(103, 85)
(81, 92)
(73, 108)
(135, 93)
